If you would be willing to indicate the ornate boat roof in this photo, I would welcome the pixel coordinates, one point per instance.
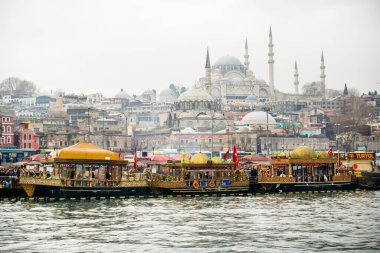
(86, 151)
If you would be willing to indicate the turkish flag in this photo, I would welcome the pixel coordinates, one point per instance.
(330, 152)
(120, 154)
(235, 157)
(225, 157)
(135, 159)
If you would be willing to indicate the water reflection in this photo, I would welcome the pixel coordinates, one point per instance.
(267, 223)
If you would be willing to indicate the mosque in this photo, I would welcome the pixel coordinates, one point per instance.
(227, 82)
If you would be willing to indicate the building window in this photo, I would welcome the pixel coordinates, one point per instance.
(9, 139)
(60, 143)
(2, 140)
(30, 136)
(24, 137)
(30, 145)
(9, 129)
(24, 145)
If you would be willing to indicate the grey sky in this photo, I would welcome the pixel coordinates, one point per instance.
(102, 46)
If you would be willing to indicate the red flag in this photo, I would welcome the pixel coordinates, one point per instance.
(330, 152)
(120, 154)
(235, 157)
(135, 159)
(225, 157)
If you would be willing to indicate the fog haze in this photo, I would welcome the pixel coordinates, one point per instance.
(103, 46)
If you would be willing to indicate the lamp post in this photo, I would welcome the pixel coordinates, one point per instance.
(88, 123)
(266, 109)
(103, 128)
(212, 136)
(336, 137)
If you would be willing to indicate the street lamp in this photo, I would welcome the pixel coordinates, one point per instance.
(266, 109)
(336, 137)
(212, 136)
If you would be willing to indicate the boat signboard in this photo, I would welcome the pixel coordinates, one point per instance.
(361, 156)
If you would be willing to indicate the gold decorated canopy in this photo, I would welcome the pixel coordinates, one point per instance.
(303, 152)
(199, 158)
(86, 151)
(216, 159)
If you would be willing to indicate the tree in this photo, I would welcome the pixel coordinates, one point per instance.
(312, 89)
(16, 86)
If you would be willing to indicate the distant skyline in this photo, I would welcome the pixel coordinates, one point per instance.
(105, 46)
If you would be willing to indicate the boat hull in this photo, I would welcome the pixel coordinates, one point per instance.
(368, 180)
(15, 192)
(308, 187)
(48, 191)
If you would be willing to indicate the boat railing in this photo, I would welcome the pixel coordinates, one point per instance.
(268, 179)
(90, 183)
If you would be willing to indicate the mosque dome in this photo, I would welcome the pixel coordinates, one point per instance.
(199, 158)
(258, 118)
(195, 94)
(122, 95)
(227, 60)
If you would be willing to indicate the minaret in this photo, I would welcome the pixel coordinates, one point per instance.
(345, 91)
(246, 56)
(323, 76)
(296, 83)
(208, 74)
(271, 62)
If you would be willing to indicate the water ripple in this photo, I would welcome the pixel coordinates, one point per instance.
(267, 223)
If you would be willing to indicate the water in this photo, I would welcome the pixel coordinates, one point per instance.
(348, 221)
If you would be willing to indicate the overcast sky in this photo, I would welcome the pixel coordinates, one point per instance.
(103, 46)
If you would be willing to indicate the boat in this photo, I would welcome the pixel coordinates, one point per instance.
(198, 176)
(304, 170)
(9, 183)
(83, 171)
(367, 174)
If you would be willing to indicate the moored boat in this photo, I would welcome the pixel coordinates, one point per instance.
(304, 170)
(83, 171)
(200, 175)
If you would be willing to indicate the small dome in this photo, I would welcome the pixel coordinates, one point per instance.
(122, 95)
(258, 118)
(168, 92)
(216, 159)
(195, 94)
(303, 152)
(228, 60)
(199, 158)
(243, 129)
(251, 98)
(188, 130)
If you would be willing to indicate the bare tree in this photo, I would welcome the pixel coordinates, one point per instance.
(16, 86)
(312, 89)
